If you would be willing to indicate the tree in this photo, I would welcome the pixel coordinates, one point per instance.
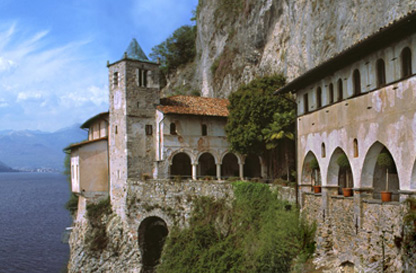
(259, 121)
(177, 50)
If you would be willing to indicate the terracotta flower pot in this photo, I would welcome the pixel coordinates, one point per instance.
(347, 192)
(317, 189)
(386, 196)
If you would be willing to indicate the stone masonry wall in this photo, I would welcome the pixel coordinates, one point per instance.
(168, 200)
(366, 244)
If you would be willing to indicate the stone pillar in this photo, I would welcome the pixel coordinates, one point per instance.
(327, 192)
(241, 165)
(359, 195)
(218, 171)
(194, 168)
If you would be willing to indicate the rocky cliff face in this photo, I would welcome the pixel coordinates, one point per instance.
(241, 39)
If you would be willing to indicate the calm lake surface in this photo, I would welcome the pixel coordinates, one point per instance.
(32, 219)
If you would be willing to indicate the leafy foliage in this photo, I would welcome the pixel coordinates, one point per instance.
(314, 164)
(258, 119)
(259, 233)
(177, 50)
(343, 162)
(385, 160)
(72, 204)
(97, 238)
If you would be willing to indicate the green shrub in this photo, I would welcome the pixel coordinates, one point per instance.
(97, 238)
(259, 233)
(343, 162)
(72, 204)
(314, 164)
(384, 160)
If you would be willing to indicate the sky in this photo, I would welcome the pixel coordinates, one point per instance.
(53, 54)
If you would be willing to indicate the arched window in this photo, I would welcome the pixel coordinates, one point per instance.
(318, 97)
(355, 147)
(340, 91)
(323, 151)
(356, 81)
(381, 73)
(115, 79)
(173, 129)
(331, 93)
(305, 103)
(406, 57)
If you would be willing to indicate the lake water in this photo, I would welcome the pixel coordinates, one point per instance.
(32, 219)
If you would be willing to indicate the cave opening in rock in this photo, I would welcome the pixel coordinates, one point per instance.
(152, 235)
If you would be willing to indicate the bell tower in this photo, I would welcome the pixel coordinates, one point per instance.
(134, 94)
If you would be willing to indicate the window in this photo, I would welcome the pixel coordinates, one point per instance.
(340, 91)
(356, 81)
(173, 128)
(305, 103)
(115, 79)
(323, 151)
(115, 129)
(381, 73)
(355, 147)
(406, 58)
(141, 77)
(149, 130)
(204, 129)
(318, 97)
(331, 93)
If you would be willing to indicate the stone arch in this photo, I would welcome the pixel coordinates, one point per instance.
(252, 166)
(341, 176)
(206, 165)
(374, 175)
(308, 176)
(369, 164)
(230, 165)
(152, 235)
(181, 164)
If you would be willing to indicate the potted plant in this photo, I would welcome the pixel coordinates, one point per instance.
(344, 166)
(314, 165)
(384, 160)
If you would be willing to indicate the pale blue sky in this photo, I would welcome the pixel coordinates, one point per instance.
(53, 54)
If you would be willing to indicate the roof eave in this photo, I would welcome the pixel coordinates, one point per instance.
(385, 36)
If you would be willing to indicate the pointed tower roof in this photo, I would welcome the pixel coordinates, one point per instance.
(135, 52)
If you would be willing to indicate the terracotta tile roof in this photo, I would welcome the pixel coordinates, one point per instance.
(192, 105)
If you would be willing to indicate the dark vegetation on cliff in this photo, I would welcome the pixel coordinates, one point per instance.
(256, 233)
(176, 51)
(262, 123)
(97, 237)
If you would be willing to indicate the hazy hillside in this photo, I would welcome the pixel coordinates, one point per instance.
(28, 150)
(5, 168)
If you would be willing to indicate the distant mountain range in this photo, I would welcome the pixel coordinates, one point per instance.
(37, 150)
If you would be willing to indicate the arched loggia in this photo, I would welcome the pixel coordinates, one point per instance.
(206, 165)
(339, 170)
(377, 175)
(181, 165)
(252, 166)
(311, 171)
(230, 166)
